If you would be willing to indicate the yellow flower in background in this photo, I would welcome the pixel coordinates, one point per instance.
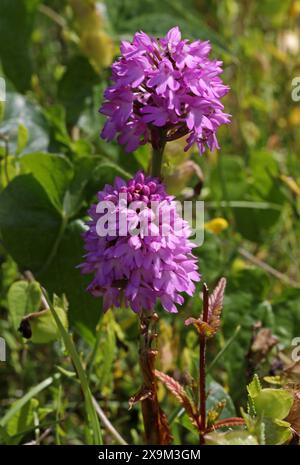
(294, 117)
(217, 225)
(94, 41)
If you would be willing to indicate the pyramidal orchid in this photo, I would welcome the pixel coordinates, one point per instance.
(162, 90)
(165, 86)
(137, 270)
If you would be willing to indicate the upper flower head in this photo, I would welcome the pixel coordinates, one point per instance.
(135, 269)
(167, 83)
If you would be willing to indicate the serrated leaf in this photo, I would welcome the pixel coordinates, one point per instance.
(179, 392)
(254, 387)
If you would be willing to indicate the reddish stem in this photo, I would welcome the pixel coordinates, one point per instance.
(150, 406)
(202, 369)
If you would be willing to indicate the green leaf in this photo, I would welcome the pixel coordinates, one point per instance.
(273, 403)
(34, 391)
(106, 171)
(91, 412)
(76, 86)
(22, 138)
(231, 438)
(254, 388)
(277, 431)
(49, 245)
(29, 222)
(286, 310)
(23, 298)
(20, 111)
(21, 421)
(53, 172)
(216, 394)
(84, 310)
(244, 305)
(104, 365)
(16, 24)
(44, 328)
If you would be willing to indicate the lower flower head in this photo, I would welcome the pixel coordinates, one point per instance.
(143, 253)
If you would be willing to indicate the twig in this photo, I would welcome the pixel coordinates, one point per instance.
(47, 11)
(29, 276)
(268, 268)
(40, 439)
(108, 425)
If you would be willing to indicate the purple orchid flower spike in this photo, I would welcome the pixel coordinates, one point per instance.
(135, 270)
(167, 83)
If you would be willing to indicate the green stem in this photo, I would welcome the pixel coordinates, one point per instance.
(157, 157)
(158, 141)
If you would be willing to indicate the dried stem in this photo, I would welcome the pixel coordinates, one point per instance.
(202, 369)
(150, 406)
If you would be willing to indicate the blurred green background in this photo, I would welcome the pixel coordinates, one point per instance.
(55, 57)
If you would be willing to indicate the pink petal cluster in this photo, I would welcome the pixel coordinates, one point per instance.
(137, 270)
(167, 83)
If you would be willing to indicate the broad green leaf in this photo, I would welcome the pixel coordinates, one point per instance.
(48, 245)
(286, 308)
(273, 403)
(16, 24)
(76, 86)
(84, 310)
(43, 326)
(21, 111)
(29, 222)
(23, 297)
(277, 431)
(231, 438)
(243, 305)
(106, 171)
(216, 394)
(53, 172)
